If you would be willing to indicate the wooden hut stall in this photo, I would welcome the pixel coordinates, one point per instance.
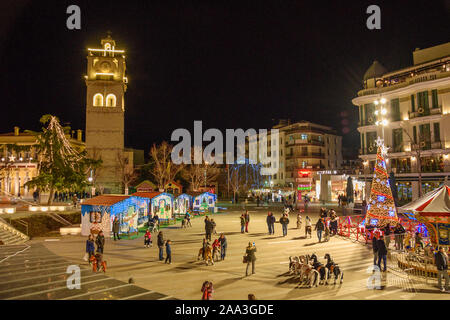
(99, 213)
(161, 203)
(204, 202)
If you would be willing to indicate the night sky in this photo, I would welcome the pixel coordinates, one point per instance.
(232, 64)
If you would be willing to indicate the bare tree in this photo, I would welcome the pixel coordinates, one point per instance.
(164, 170)
(96, 172)
(200, 174)
(127, 171)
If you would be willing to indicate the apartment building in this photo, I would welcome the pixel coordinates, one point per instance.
(410, 109)
(304, 149)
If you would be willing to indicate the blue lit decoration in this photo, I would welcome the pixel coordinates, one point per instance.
(391, 213)
(248, 173)
(381, 198)
(374, 222)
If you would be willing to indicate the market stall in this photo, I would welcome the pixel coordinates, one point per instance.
(204, 202)
(98, 214)
(161, 203)
(182, 204)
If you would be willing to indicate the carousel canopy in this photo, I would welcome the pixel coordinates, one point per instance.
(434, 203)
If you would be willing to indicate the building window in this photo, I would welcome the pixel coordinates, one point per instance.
(98, 100)
(413, 103)
(304, 164)
(397, 139)
(110, 100)
(395, 110)
(437, 132)
(422, 100)
(434, 99)
(304, 136)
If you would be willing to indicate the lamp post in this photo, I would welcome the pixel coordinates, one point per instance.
(380, 112)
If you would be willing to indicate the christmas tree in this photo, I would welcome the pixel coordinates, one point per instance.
(381, 207)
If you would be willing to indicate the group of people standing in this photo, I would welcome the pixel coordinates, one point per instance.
(245, 219)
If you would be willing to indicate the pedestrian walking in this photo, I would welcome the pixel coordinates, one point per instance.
(208, 228)
(90, 248)
(188, 219)
(250, 257)
(441, 261)
(382, 252)
(299, 221)
(156, 220)
(168, 251)
(333, 225)
(116, 227)
(387, 235)
(247, 220)
(147, 238)
(320, 227)
(308, 227)
(207, 290)
(161, 245)
(269, 222)
(272, 222)
(375, 250)
(223, 246)
(100, 242)
(284, 221)
(242, 223)
(213, 224)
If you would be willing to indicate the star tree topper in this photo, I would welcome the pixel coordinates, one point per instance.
(380, 143)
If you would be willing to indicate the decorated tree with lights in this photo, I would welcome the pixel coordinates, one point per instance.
(61, 167)
(381, 207)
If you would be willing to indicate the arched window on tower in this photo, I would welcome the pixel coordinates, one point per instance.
(110, 100)
(98, 100)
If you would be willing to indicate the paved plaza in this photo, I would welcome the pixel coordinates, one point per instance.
(184, 277)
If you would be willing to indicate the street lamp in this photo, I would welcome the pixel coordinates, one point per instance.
(380, 113)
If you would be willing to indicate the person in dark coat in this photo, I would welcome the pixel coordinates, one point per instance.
(251, 258)
(100, 242)
(399, 233)
(161, 245)
(320, 227)
(284, 221)
(382, 252)
(168, 251)
(116, 226)
(273, 219)
(269, 222)
(375, 249)
(223, 246)
(441, 261)
(387, 235)
(209, 227)
(90, 247)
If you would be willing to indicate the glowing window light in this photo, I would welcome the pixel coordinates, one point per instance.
(110, 50)
(111, 100)
(104, 73)
(98, 100)
(44, 209)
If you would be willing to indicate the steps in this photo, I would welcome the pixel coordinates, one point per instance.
(11, 236)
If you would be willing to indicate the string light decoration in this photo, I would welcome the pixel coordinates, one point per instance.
(381, 207)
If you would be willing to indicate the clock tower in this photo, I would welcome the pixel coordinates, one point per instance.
(105, 108)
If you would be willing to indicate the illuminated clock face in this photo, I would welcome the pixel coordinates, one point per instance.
(105, 66)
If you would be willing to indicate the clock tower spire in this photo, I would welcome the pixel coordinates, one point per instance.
(106, 84)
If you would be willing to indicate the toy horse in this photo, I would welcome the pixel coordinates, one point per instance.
(334, 268)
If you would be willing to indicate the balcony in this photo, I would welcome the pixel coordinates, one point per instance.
(312, 155)
(369, 150)
(422, 112)
(312, 142)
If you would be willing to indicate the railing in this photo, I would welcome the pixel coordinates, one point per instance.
(315, 155)
(423, 112)
(25, 224)
(11, 229)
